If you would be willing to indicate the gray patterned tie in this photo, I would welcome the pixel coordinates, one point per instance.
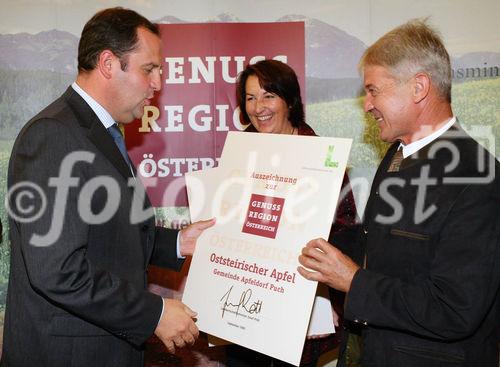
(397, 158)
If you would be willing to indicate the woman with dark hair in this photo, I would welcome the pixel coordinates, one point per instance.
(268, 95)
(270, 86)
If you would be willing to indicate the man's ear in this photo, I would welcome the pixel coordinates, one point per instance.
(421, 86)
(105, 63)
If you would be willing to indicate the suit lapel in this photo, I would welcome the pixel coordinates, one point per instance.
(421, 157)
(379, 176)
(97, 134)
(104, 142)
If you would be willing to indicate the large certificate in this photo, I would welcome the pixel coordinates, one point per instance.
(271, 194)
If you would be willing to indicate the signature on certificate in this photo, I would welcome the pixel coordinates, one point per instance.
(245, 303)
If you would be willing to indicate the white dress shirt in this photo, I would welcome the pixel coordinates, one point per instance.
(415, 146)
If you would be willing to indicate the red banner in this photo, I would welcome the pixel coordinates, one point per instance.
(185, 127)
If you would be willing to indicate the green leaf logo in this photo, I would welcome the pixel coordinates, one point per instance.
(329, 155)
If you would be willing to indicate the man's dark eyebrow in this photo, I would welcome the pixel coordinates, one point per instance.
(151, 64)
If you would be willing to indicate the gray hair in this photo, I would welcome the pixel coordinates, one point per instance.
(409, 49)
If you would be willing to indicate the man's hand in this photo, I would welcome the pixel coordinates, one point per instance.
(190, 234)
(176, 327)
(327, 265)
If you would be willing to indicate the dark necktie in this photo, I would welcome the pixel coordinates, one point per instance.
(116, 133)
(397, 158)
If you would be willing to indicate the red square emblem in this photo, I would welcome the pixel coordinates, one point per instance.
(263, 215)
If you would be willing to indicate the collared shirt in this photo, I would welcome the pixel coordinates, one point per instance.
(99, 110)
(415, 146)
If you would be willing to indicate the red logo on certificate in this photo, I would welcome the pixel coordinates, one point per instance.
(263, 216)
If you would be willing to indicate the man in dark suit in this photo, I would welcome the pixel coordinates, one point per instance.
(77, 290)
(425, 292)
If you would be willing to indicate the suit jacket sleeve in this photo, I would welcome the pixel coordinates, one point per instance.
(165, 249)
